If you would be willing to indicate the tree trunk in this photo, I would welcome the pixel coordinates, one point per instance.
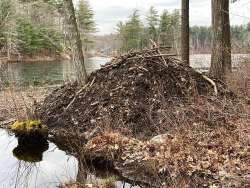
(185, 31)
(221, 45)
(76, 43)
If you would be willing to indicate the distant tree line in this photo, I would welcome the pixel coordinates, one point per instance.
(201, 37)
(30, 27)
(165, 30)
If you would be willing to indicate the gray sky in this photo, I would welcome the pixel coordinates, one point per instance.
(109, 12)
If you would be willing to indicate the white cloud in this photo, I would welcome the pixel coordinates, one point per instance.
(109, 12)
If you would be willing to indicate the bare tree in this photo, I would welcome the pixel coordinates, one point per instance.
(76, 43)
(221, 43)
(185, 31)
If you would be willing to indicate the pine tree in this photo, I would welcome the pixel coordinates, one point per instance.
(153, 24)
(85, 19)
(175, 25)
(131, 33)
(165, 30)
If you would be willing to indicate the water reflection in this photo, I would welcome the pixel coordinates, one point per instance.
(30, 151)
(26, 164)
(46, 73)
(50, 73)
(54, 165)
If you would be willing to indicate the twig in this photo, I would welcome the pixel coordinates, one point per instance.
(160, 55)
(77, 93)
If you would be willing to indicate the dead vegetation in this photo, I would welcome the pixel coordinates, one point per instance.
(129, 92)
(139, 95)
(239, 81)
(16, 104)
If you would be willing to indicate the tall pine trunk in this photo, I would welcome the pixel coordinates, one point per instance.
(185, 31)
(221, 43)
(76, 43)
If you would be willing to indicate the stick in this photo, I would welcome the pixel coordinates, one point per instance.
(160, 55)
(78, 92)
(212, 83)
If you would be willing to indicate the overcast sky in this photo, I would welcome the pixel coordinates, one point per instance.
(109, 12)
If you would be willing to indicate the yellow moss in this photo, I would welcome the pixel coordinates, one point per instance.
(29, 126)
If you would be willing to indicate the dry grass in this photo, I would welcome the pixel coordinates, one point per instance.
(108, 182)
(17, 104)
(239, 81)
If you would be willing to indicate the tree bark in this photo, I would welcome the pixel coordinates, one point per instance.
(221, 63)
(76, 43)
(185, 31)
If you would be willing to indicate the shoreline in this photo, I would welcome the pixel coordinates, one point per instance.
(61, 57)
(34, 58)
(44, 59)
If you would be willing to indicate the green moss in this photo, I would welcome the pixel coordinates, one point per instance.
(29, 126)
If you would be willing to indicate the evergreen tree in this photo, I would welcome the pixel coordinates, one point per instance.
(85, 19)
(153, 24)
(131, 33)
(32, 28)
(176, 27)
(165, 29)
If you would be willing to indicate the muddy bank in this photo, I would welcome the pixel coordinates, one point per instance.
(144, 94)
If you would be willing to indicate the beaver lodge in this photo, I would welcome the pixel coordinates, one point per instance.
(156, 121)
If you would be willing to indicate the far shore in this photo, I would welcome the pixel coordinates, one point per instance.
(61, 57)
(38, 58)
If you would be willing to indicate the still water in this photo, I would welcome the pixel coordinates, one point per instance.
(45, 73)
(40, 167)
(47, 172)
(55, 73)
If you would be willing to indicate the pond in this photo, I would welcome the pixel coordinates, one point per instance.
(55, 73)
(44, 73)
(40, 167)
(54, 167)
